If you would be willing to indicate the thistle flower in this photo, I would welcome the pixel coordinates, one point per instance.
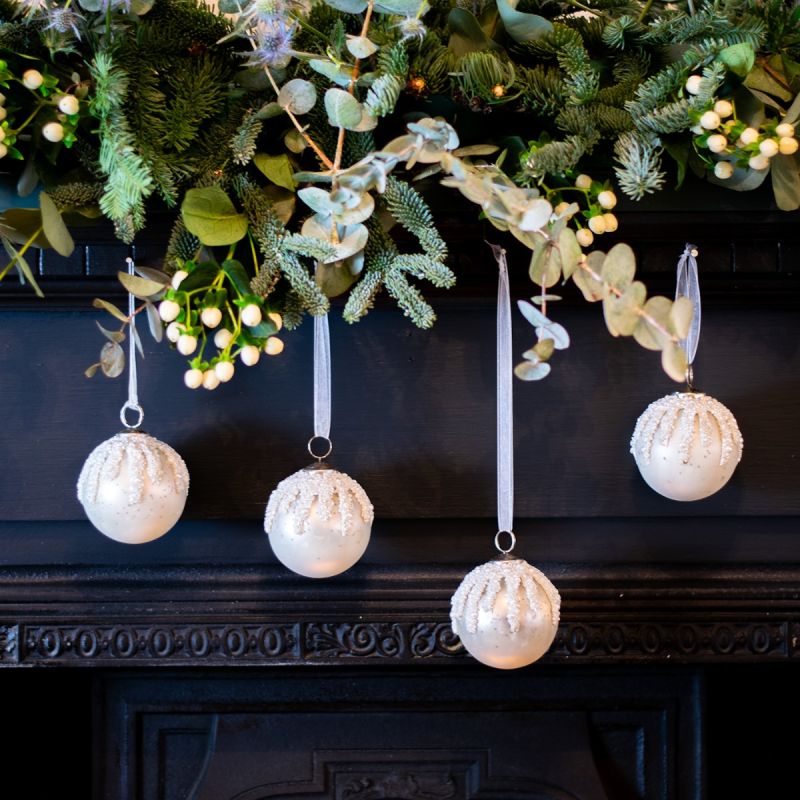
(272, 43)
(64, 20)
(412, 28)
(31, 8)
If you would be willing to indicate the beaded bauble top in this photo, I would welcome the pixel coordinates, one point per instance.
(677, 415)
(333, 492)
(480, 589)
(145, 457)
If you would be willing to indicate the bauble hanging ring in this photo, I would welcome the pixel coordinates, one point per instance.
(511, 544)
(327, 452)
(124, 418)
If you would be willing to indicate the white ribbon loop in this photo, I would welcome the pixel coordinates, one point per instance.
(322, 378)
(132, 403)
(688, 285)
(505, 401)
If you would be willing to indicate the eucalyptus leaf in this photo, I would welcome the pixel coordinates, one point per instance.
(89, 372)
(522, 27)
(591, 288)
(337, 73)
(570, 252)
(112, 360)
(154, 322)
(283, 202)
(316, 199)
(22, 224)
(622, 313)
(738, 58)
(544, 349)
(278, 169)
(156, 275)
(348, 6)
(138, 286)
(680, 317)
(466, 34)
(360, 47)
(786, 181)
(403, 8)
(673, 360)
(23, 267)
(529, 371)
(54, 228)
(137, 340)
(476, 150)
(344, 111)
(91, 5)
(112, 336)
(536, 215)
(28, 179)
(111, 308)
(237, 275)
(269, 110)
(333, 279)
(619, 267)
(209, 214)
(298, 96)
(294, 141)
(793, 112)
(649, 336)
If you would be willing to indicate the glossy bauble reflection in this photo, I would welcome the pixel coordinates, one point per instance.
(686, 446)
(506, 613)
(319, 521)
(133, 487)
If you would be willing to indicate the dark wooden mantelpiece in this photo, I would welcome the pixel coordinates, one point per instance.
(643, 579)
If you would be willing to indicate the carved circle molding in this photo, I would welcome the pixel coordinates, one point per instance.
(327, 643)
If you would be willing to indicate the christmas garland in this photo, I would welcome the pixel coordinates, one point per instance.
(288, 136)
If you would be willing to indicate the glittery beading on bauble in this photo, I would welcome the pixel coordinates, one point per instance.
(319, 522)
(506, 613)
(686, 445)
(133, 487)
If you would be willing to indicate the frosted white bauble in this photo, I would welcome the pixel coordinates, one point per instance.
(686, 445)
(133, 487)
(319, 521)
(506, 613)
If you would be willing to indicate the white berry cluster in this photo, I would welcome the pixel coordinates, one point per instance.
(600, 200)
(66, 108)
(202, 313)
(735, 143)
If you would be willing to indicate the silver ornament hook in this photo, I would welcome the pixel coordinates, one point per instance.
(132, 403)
(328, 450)
(512, 541)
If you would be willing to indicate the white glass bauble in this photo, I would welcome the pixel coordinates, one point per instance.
(686, 445)
(506, 613)
(133, 487)
(319, 521)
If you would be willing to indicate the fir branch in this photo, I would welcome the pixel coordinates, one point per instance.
(543, 89)
(408, 297)
(127, 179)
(362, 296)
(557, 156)
(411, 211)
(639, 158)
(427, 268)
(244, 142)
(310, 247)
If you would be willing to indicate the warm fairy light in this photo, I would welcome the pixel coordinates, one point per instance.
(498, 90)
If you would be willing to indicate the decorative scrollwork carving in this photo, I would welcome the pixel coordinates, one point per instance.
(424, 786)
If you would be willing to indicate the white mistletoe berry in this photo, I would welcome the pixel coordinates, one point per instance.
(277, 319)
(193, 378)
(597, 224)
(693, 84)
(210, 379)
(607, 199)
(788, 145)
(53, 131)
(585, 237)
(32, 79)
(179, 277)
(785, 129)
(723, 170)
(583, 181)
(724, 108)
(211, 317)
(758, 162)
(187, 344)
(250, 355)
(717, 143)
(710, 120)
(174, 331)
(69, 104)
(2, 99)
(222, 338)
(251, 315)
(168, 310)
(3, 113)
(749, 135)
(2, 134)
(3, 150)
(224, 370)
(612, 223)
(769, 148)
(274, 346)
